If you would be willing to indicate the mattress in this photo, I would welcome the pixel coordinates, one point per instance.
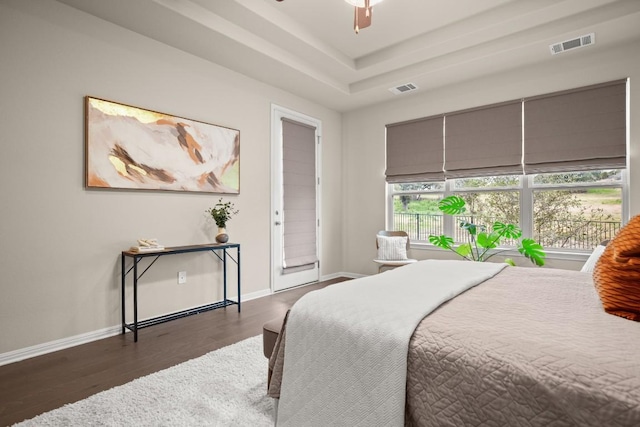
(528, 347)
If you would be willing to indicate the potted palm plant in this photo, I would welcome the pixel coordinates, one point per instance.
(221, 213)
(482, 241)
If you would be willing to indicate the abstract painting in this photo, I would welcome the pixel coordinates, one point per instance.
(133, 148)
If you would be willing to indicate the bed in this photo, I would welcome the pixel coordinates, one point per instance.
(525, 347)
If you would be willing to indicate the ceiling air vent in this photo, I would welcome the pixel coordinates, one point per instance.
(407, 87)
(581, 41)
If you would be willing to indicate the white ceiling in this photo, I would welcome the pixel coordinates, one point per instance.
(308, 47)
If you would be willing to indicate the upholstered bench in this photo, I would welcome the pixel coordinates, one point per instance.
(270, 332)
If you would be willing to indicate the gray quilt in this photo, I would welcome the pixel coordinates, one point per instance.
(529, 347)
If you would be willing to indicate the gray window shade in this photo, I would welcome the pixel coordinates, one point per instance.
(484, 141)
(299, 187)
(415, 150)
(576, 130)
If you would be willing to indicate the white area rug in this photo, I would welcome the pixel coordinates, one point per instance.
(226, 387)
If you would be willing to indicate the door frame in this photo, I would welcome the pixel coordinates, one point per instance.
(277, 114)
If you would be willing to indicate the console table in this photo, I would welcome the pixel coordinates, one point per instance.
(221, 251)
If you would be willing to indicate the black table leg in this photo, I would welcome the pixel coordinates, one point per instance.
(123, 283)
(135, 299)
(238, 265)
(224, 274)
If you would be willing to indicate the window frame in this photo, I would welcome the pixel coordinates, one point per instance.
(526, 189)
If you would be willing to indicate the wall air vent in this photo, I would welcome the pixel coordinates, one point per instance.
(576, 43)
(407, 87)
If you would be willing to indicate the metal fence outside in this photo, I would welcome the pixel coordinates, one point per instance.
(585, 234)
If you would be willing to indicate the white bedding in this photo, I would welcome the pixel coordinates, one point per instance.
(346, 346)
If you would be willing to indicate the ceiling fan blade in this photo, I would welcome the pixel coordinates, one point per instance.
(362, 18)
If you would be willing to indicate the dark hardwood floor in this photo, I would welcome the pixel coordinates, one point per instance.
(40, 384)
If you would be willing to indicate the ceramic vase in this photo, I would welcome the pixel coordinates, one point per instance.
(222, 236)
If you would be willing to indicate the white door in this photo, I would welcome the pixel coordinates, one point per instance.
(295, 221)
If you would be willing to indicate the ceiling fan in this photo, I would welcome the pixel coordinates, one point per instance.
(362, 13)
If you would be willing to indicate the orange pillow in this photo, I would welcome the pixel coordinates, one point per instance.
(617, 273)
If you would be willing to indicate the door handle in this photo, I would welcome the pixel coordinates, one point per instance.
(278, 223)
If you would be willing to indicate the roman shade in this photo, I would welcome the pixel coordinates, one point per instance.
(579, 129)
(484, 141)
(573, 130)
(299, 201)
(415, 150)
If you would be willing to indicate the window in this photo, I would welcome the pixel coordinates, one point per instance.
(577, 210)
(571, 145)
(489, 199)
(572, 210)
(415, 209)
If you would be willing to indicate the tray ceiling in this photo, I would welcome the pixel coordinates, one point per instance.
(308, 47)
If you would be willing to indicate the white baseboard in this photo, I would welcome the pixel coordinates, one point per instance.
(61, 344)
(256, 295)
(341, 274)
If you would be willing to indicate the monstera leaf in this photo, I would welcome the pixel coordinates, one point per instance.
(510, 231)
(532, 250)
(471, 227)
(464, 250)
(444, 242)
(488, 241)
(452, 205)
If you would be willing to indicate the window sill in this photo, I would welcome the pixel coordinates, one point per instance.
(559, 254)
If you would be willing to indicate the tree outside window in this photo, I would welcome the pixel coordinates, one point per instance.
(573, 210)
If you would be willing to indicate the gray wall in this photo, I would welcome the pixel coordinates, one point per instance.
(364, 131)
(60, 248)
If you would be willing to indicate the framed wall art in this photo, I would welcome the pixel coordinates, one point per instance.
(132, 148)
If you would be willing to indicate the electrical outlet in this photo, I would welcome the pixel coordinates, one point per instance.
(182, 277)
